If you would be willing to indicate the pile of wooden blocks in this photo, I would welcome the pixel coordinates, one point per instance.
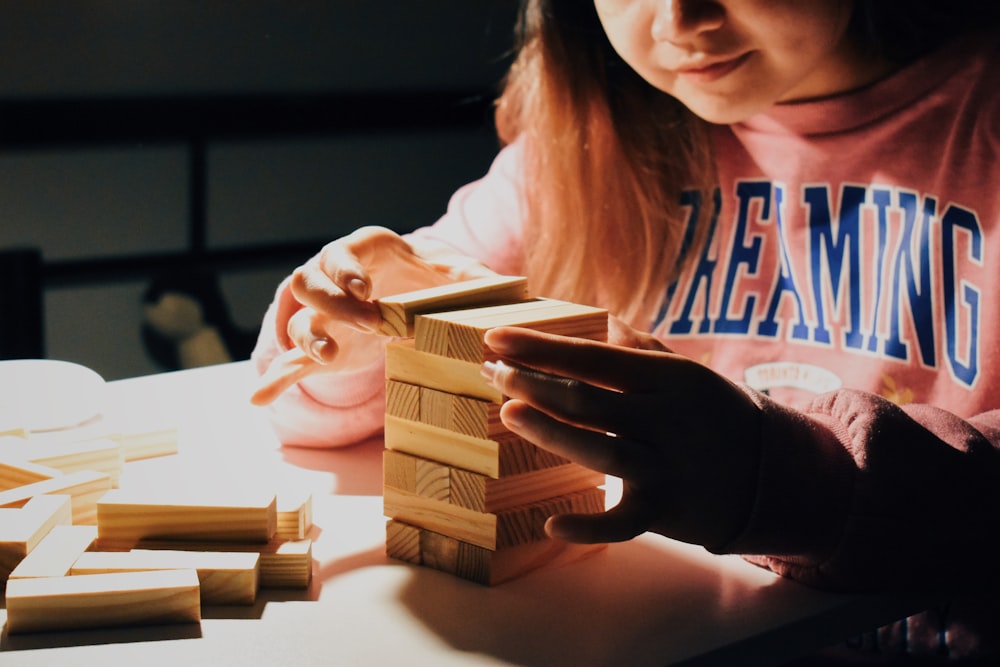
(78, 552)
(462, 493)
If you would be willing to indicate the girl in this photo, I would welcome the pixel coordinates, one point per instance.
(797, 200)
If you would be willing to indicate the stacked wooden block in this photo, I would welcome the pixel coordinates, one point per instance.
(78, 552)
(462, 493)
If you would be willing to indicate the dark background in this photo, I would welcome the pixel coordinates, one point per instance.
(142, 138)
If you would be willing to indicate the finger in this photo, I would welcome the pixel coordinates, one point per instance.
(623, 522)
(307, 331)
(340, 262)
(285, 370)
(593, 362)
(596, 450)
(565, 399)
(623, 335)
(317, 290)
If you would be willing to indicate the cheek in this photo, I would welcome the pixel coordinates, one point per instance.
(628, 28)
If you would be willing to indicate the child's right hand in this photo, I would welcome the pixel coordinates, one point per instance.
(327, 318)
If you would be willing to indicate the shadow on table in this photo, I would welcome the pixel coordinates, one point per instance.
(645, 602)
(118, 635)
(357, 468)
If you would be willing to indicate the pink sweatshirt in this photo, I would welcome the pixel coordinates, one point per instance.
(847, 285)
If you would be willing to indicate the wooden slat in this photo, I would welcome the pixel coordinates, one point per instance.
(56, 553)
(23, 528)
(283, 563)
(103, 600)
(404, 363)
(459, 334)
(402, 399)
(496, 457)
(85, 487)
(225, 577)
(489, 530)
(187, 516)
(484, 566)
(482, 493)
(398, 311)
(15, 472)
(294, 515)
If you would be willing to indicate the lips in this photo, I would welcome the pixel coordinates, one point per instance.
(711, 70)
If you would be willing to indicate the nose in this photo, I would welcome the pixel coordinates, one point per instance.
(678, 21)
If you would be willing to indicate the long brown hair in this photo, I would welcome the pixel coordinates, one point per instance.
(606, 158)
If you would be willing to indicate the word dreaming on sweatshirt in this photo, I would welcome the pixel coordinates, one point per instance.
(876, 270)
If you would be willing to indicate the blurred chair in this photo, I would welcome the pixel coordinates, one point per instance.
(22, 334)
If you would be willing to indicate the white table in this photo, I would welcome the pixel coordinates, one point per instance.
(651, 601)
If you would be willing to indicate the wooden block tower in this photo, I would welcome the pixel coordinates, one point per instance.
(462, 493)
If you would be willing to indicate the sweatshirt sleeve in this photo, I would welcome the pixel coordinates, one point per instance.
(857, 493)
(481, 228)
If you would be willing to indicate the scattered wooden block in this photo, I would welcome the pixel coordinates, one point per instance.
(15, 473)
(56, 553)
(459, 334)
(294, 516)
(103, 600)
(101, 455)
(147, 444)
(484, 566)
(84, 487)
(398, 311)
(404, 363)
(490, 530)
(22, 528)
(495, 457)
(283, 563)
(187, 516)
(482, 493)
(225, 577)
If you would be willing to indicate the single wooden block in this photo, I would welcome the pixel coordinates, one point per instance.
(187, 516)
(56, 553)
(495, 457)
(101, 455)
(294, 516)
(225, 577)
(402, 400)
(484, 566)
(490, 530)
(23, 528)
(482, 493)
(85, 487)
(103, 600)
(398, 311)
(402, 541)
(404, 363)
(15, 472)
(147, 444)
(413, 474)
(283, 563)
(459, 334)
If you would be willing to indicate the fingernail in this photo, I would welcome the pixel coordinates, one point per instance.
(492, 371)
(358, 289)
(318, 348)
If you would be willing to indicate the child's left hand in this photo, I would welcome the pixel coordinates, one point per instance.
(684, 440)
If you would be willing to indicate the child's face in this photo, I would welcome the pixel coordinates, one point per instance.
(729, 59)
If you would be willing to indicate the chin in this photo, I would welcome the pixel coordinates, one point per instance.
(725, 112)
